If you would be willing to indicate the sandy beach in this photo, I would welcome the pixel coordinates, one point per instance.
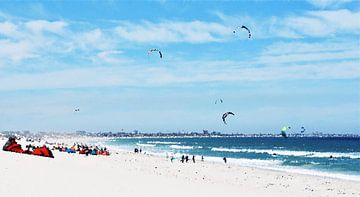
(129, 174)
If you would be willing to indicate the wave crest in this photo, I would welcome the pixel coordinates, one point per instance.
(353, 155)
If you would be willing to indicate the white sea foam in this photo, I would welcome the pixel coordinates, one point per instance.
(145, 145)
(247, 162)
(352, 155)
(160, 142)
(273, 164)
(276, 166)
(181, 147)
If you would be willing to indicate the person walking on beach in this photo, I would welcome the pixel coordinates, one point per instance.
(186, 158)
(224, 159)
(193, 158)
(182, 158)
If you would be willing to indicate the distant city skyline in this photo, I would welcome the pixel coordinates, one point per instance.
(84, 65)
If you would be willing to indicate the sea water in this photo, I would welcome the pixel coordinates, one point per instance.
(334, 157)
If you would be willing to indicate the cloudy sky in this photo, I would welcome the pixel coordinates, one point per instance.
(300, 68)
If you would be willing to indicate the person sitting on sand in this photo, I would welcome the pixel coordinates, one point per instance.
(94, 152)
(28, 151)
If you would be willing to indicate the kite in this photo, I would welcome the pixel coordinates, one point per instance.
(242, 27)
(218, 100)
(303, 129)
(284, 130)
(225, 115)
(153, 49)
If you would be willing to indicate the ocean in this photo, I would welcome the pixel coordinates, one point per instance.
(332, 157)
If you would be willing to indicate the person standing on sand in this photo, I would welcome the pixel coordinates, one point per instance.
(186, 158)
(193, 158)
(182, 158)
(224, 159)
(202, 158)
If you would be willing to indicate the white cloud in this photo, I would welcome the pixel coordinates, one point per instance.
(173, 31)
(280, 48)
(39, 26)
(36, 38)
(15, 51)
(50, 40)
(297, 53)
(324, 23)
(140, 75)
(93, 40)
(308, 24)
(25, 40)
(110, 56)
(8, 29)
(307, 57)
(340, 19)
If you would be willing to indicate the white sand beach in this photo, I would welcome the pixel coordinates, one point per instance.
(129, 174)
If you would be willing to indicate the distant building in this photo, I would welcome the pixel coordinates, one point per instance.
(136, 132)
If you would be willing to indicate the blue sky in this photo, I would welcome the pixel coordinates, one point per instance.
(300, 68)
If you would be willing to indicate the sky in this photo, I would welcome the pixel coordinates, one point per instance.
(300, 67)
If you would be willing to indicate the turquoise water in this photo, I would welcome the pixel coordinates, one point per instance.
(339, 157)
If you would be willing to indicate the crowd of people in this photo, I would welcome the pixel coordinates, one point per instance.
(82, 149)
(12, 146)
(186, 159)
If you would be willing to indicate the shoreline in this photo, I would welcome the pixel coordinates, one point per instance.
(300, 171)
(235, 162)
(124, 173)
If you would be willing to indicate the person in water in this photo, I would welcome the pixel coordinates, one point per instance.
(225, 159)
